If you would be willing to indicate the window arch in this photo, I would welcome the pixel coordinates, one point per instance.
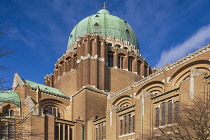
(117, 45)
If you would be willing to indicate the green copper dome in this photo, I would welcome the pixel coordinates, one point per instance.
(104, 24)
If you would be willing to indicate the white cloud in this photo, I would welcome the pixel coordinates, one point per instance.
(196, 41)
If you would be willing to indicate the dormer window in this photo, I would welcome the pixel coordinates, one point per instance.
(127, 31)
(96, 24)
(71, 36)
(96, 16)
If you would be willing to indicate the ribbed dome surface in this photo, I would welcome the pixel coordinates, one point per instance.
(104, 24)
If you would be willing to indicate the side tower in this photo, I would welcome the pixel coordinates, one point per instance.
(102, 52)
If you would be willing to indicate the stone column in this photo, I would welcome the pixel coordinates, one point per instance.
(56, 73)
(142, 69)
(125, 62)
(59, 131)
(115, 58)
(64, 131)
(68, 131)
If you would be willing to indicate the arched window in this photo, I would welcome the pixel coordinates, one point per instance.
(11, 113)
(176, 111)
(109, 44)
(170, 112)
(157, 116)
(163, 110)
(96, 27)
(117, 45)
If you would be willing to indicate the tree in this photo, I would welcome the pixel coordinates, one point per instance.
(4, 52)
(192, 123)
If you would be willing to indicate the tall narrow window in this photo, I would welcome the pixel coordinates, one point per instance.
(163, 109)
(129, 123)
(11, 113)
(4, 129)
(120, 61)
(133, 123)
(56, 132)
(61, 132)
(70, 133)
(97, 137)
(130, 64)
(145, 71)
(110, 60)
(125, 124)
(121, 127)
(11, 130)
(50, 110)
(176, 112)
(157, 116)
(54, 112)
(103, 131)
(66, 132)
(82, 132)
(59, 115)
(170, 112)
(7, 112)
(138, 67)
(99, 131)
(96, 27)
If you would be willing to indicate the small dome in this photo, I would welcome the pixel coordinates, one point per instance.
(104, 24)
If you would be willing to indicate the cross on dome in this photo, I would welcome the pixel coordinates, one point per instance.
(104, 5)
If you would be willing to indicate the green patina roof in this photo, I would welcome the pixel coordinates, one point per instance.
(44, 88)
(108, 25)
(10, 96)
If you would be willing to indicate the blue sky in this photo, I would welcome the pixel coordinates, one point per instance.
(167, 30)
